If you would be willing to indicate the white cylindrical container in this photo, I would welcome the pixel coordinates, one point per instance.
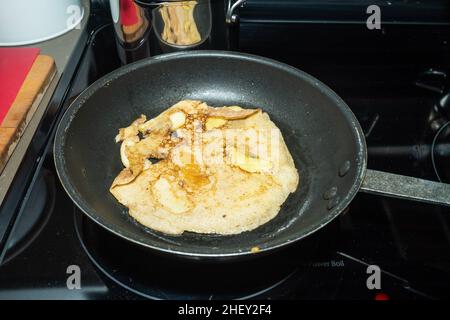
(29, 21)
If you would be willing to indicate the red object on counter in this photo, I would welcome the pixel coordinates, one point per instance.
(15, 63)
(128, 12)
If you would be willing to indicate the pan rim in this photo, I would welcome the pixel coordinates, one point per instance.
(77, 104)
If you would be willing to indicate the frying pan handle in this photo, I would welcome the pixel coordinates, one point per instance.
(404, 187)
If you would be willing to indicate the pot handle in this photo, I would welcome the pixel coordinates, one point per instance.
(404, 187)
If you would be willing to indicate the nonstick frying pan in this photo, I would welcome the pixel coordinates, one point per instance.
(322, 134)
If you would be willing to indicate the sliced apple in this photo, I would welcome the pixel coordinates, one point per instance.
(254, 165)
(177, 120)
(250, 164)
(231, 113)
(214, 123)
(128, 142)
(170, 197)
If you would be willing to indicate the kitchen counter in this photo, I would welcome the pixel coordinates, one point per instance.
(60, 49)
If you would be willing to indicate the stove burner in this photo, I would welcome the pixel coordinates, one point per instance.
(157, 276)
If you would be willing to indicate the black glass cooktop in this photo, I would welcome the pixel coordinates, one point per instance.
(409, 242)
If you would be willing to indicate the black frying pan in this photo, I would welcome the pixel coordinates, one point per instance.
(322, 134)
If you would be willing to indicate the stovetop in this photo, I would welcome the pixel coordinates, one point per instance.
(410, 242)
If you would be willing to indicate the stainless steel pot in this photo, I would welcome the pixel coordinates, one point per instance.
(147, 27)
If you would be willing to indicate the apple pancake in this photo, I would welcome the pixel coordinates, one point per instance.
(219, 170)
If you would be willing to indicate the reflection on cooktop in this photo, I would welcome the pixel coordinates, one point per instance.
(160, 276)
(33, 217)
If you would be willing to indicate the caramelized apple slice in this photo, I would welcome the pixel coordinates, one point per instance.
(132, 130)
(230, 113)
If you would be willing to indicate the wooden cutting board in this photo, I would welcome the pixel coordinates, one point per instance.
(16, 115)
